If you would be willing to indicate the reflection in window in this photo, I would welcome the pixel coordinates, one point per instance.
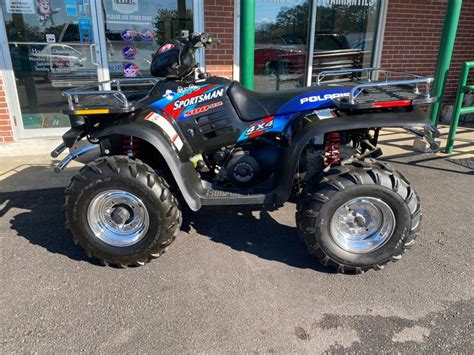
(50, 52)
(280, 43)
(344, 37)
(135, 32)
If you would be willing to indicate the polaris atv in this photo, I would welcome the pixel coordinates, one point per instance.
(209, 141)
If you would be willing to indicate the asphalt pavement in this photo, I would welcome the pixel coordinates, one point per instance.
(238, 280)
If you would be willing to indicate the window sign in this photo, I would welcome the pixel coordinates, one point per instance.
(20, 7)
(131, 11)
(50, 38)
(126, 7)
(71, 8)
(135, 29)
(50, 50)
(85, 30)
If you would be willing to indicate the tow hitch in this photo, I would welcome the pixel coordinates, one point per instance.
(77, 150)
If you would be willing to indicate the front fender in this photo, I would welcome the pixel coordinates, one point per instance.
(182, 169)
(316, 129)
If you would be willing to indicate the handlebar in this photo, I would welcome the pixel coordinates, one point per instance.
(198, 39)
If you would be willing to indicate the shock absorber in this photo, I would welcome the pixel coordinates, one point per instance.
(332, 146)
(131, 146)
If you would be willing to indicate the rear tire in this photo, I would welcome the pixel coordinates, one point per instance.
(359, 216)
(121, 212)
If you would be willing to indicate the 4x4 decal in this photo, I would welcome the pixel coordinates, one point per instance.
(258, 128)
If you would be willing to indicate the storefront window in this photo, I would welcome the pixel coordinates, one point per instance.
(345, 33)
(50, 51)
(54, 45)
(344, 37)
(135, 30)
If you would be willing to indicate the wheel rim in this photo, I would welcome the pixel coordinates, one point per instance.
(118, 218)
(362, 224)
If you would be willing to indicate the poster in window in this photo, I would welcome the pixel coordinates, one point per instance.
(85, 30)
(71, 8)
(45, 12)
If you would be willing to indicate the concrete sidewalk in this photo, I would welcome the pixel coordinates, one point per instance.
(31, 172)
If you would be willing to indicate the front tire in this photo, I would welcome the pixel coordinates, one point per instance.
(359, 216)
(121, 212)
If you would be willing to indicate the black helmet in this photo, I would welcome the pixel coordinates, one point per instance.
(172, 60)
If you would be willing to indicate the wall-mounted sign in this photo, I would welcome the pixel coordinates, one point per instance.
(20, 7)
(350, 2)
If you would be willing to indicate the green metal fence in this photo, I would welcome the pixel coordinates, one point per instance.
(458, 110)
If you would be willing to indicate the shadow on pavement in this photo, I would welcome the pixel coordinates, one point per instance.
(253, 231)
(24, 177)
(38, 217)
(429, 161)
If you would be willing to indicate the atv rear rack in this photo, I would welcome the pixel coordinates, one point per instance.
(107, 96)
(405, 90)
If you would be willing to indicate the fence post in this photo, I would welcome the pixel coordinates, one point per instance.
(445, 52)
(247, 42)
(458, 110)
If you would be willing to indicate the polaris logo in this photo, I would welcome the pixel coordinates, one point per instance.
(318, 98)
(198, 99)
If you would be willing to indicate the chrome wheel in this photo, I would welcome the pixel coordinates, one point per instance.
(362, 224)
(118, 218)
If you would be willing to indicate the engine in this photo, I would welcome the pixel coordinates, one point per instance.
(247, 164)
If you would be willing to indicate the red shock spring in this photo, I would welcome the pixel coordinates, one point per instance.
(131, 146)
(331, 152)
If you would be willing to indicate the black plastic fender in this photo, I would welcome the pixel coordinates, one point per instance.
(314, 128)
(182, 169)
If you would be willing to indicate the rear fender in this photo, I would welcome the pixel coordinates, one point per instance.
(314, 128)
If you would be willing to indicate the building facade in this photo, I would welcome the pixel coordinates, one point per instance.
(48, 46)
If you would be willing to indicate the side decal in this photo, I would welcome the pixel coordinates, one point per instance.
(167, 128)
(202, 109)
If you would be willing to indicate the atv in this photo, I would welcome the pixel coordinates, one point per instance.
(184, 135)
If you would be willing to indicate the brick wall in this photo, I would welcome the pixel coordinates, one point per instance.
(219, 20)
(412, 35)
(6, 129)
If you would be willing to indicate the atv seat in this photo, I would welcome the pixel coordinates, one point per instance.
(252, 105)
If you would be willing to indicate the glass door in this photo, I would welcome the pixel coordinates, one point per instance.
(135, 29)
(53, 46)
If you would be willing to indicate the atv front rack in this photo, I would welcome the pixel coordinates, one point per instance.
(396, 89)
(114, 96)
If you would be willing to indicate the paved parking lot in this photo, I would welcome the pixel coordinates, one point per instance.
(240, 280)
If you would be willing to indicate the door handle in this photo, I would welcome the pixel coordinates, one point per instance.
(92, 48)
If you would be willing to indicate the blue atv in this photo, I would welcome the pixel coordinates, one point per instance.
(186, 136)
